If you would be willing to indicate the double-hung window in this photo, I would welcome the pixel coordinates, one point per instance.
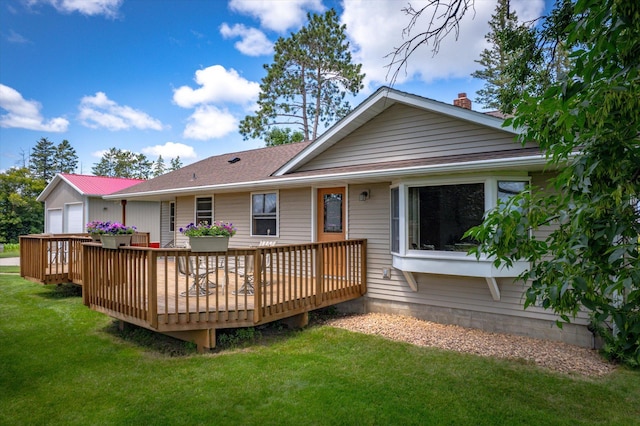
(204, 210)
(264, 213)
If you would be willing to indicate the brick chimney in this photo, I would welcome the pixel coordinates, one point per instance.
(462, 101)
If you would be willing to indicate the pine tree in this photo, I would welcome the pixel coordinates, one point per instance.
(159, 167)
(42, 163)
(495, 58)
(175, 164)
(66, 159)
(123, 163)
(312, 71)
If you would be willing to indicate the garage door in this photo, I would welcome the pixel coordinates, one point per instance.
(54, 221)
(74, 219)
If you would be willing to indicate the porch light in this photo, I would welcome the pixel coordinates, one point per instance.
(364, 195)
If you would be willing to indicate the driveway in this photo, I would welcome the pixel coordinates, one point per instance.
(10, 261)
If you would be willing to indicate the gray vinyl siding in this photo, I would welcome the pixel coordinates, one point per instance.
(185, 213)
(294, 216)
(405, 133)
(166, 236)
(145, 216)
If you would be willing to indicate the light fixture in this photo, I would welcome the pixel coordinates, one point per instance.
(364, 195)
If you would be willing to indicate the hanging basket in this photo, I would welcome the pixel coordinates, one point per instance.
(209, 243)
(115, 241)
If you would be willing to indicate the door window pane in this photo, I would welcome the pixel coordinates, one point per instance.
(332, 213)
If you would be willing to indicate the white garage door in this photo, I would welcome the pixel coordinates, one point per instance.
(74, 219)
(54, 221)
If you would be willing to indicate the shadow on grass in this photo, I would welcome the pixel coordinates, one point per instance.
(149, 340)
(226, 339)
(61, 291)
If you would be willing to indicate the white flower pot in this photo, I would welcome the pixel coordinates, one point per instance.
(209, 243)
(115, 241)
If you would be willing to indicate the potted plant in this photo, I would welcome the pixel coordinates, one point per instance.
(95, 228)
(115, 235)
(206, 237)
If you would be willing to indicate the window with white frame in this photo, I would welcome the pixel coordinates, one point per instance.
(440, 215)
(434, 217)
(172, 216)
(204, 210)
(264, 214)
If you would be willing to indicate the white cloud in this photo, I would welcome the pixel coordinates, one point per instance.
(14, 37)
(217, 85)
(108, 8)
(374, 35)
(277, 15)
(25, 114)
(170, 150)
(209, 122)
(99, 111)
(253, 41)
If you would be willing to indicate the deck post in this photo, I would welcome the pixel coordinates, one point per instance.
(152, 283)
(86, 282)
(363, 272)
(319, 267)
(257, 286)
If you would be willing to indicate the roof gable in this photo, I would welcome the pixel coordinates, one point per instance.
(383, 99)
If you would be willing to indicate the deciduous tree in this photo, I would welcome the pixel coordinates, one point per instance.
(588, 125)
(20, 213)
(123, 163)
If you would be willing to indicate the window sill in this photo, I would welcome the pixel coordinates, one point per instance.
(457, 264)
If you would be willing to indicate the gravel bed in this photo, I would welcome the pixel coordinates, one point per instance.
(556, 356)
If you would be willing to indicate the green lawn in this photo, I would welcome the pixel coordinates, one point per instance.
(64, 364)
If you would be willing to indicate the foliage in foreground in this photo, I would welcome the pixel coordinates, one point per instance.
(587, 123)
(65, 364)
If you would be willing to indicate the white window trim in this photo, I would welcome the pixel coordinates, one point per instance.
(195, 208)
(445, 262)
(277, 234)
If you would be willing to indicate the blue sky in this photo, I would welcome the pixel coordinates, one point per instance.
(175, 77)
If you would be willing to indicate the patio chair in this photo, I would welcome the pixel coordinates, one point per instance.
(246, 270)
(201, 283)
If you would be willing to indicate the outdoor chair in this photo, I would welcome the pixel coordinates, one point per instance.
(246, 270)
(200, 278)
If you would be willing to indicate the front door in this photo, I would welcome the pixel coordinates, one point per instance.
(331, 227)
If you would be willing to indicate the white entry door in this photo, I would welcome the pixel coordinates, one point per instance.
(74, 219)
(54, 221)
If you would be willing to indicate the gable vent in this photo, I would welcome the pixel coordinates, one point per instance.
(233, 160)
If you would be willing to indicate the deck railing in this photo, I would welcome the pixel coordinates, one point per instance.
(176, 289)
(57, 258)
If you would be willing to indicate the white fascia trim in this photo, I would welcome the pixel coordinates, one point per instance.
(471, 166)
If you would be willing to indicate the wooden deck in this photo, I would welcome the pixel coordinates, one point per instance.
(190, 295)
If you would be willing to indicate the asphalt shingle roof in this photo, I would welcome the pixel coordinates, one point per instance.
(253, 165)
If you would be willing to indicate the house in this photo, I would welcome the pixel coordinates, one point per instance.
(71, 200)
(408, 174)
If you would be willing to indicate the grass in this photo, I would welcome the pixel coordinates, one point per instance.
(65, 364)
(10, 250)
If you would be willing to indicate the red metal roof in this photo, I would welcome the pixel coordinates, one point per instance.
(99, 185)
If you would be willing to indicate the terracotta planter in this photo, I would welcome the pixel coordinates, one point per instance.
(209, 243)
(115, 241)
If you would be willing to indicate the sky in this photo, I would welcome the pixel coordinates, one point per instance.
(175, 77)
